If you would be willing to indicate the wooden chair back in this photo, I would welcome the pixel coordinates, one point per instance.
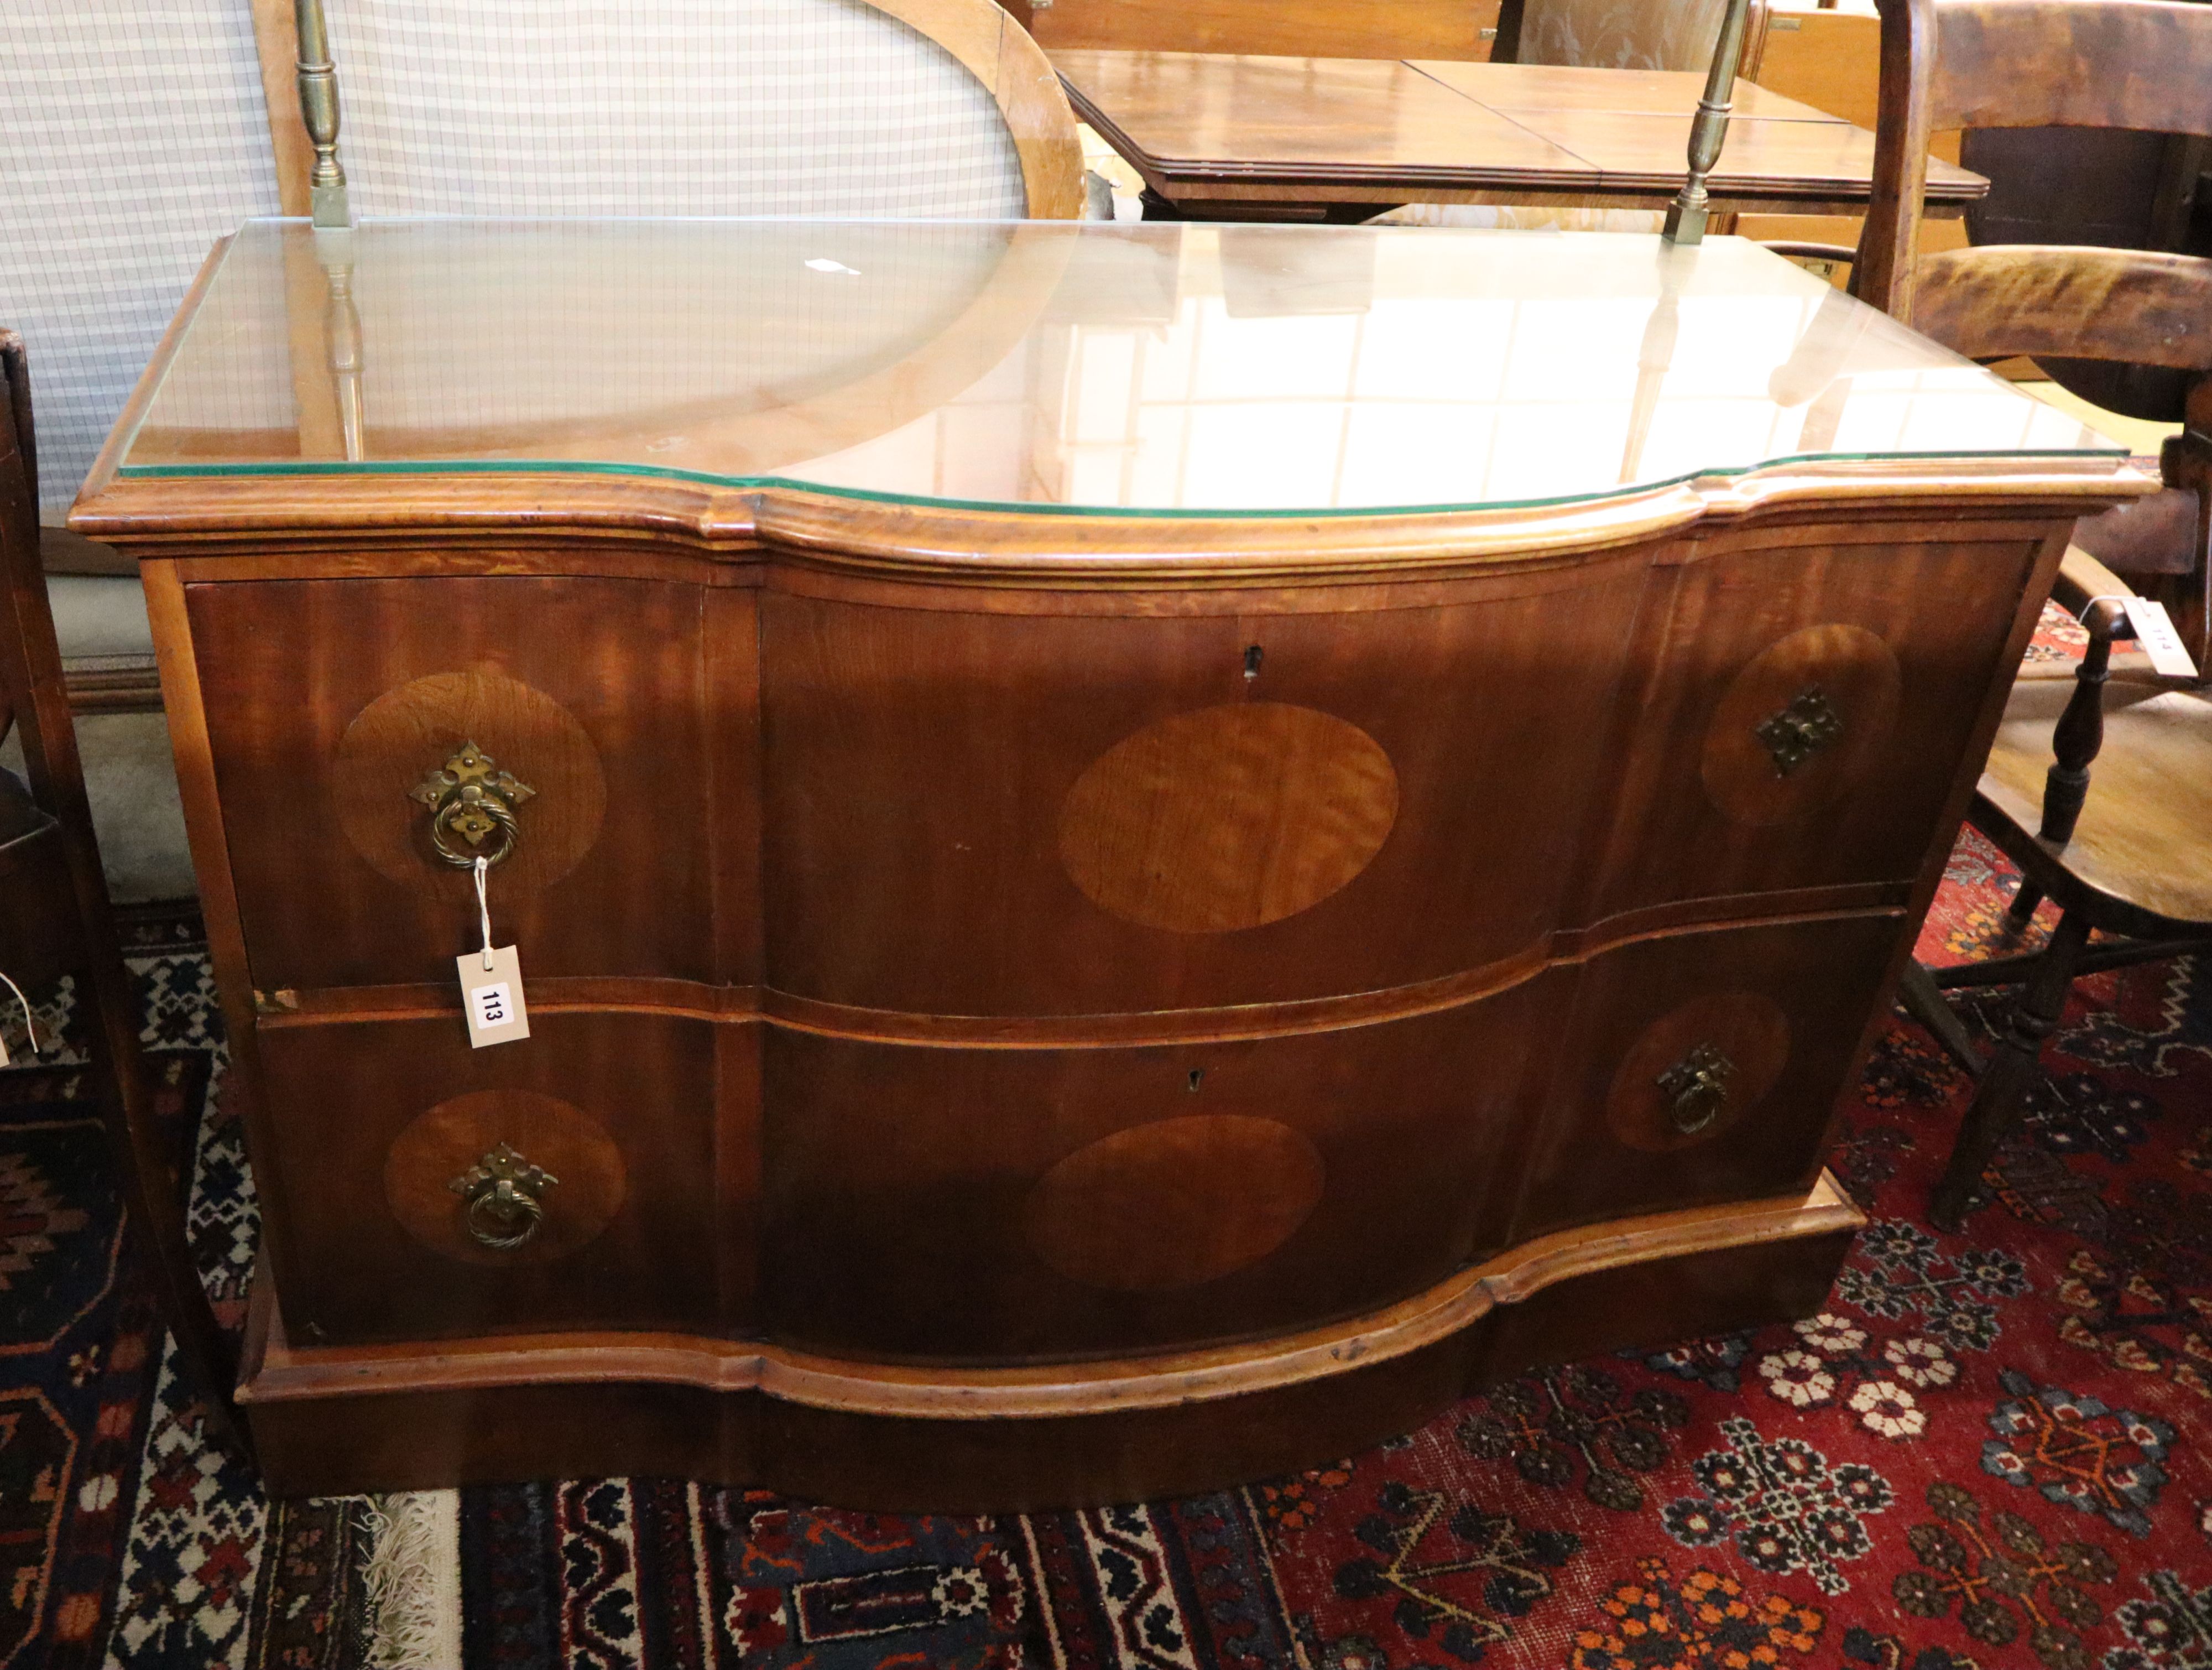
(2143, 307)
(55, 915)
(860, 108)
(2140, 64)
(2144, 64)
(2130, 307)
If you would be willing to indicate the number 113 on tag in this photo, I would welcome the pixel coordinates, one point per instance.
(492, 997)
(491, 982)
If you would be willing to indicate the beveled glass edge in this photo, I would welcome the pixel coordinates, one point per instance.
(314, 469)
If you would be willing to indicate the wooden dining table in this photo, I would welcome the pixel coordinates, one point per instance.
(1221, 136)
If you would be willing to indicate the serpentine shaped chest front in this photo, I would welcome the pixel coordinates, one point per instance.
(1046, 1023)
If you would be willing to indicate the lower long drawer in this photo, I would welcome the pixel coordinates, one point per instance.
(1011, 1197)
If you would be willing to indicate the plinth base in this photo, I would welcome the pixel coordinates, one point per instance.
(337, 1420)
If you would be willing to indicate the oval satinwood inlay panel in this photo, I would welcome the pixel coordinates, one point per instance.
(443, 1142)
(1230, 817)
(415, 728)
(1853, 677)
(1174, 1203)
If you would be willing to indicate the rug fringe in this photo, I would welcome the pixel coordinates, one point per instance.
(412, 1583)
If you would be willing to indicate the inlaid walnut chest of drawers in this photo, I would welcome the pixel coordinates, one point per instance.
(1137, 852)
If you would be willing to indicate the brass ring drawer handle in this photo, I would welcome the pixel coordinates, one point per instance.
(471, 798)
(502, 1189)
(1697, 1089)
(1795, 733)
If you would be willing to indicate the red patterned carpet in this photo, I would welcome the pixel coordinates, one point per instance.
(1989, 1450)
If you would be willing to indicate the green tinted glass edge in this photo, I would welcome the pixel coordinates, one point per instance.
(751, 484)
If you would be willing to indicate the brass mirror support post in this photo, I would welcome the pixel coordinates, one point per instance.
(319, 109)
(1686, 215)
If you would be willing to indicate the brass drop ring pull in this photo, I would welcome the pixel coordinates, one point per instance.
(1697, 1086)
(1798, 732)
(471, 798)
(502, 1189)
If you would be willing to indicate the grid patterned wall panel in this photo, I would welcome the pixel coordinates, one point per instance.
(692, 333)
(132, 135)
(580, 108)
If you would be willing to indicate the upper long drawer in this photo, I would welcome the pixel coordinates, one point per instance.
(1106, 805)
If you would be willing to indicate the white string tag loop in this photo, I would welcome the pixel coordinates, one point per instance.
(483, 910)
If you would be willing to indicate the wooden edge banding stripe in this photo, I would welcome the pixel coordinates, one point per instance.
(1193, 182)
(1039, 550)
(693, 1000)
(276, 1373)
(624, 555)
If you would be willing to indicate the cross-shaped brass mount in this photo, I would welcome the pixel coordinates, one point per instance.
(1800, 730)
(1697, 1088)
(502, 1191)
(470, 796)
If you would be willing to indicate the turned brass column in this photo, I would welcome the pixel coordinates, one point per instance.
(319, 109)
(1686, 215)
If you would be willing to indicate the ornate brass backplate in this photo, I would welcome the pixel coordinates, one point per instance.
(1697, 1088)
(1800, 730)
(502, 1191)
(470, 796)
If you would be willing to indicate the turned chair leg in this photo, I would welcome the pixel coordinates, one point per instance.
(1925, 1002)
(2021, 911)
(2004, 1082)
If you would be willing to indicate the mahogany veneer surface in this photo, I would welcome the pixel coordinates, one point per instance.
(1137, 834)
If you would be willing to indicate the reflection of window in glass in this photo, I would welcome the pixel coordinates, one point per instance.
(1441, 373)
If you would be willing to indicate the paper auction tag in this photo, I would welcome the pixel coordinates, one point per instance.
(2169, 656)
(492, 997)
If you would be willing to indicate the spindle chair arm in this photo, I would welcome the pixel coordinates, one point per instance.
(2097, 598)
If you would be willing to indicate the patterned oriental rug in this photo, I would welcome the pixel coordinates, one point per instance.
(1990, 1450)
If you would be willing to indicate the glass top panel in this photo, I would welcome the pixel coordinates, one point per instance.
(1151, 368)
